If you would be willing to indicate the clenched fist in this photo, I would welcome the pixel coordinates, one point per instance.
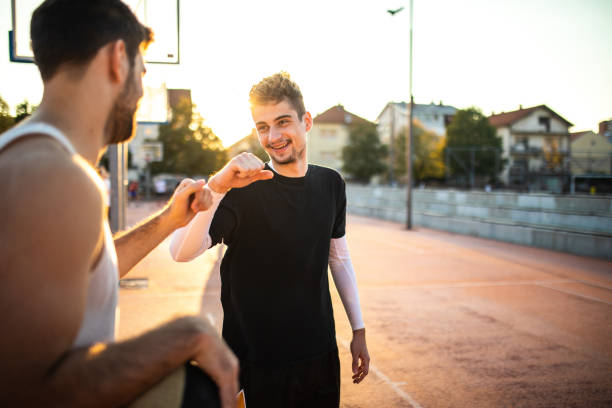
(241, 171)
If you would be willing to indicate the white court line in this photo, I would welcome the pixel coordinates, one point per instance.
(570, 292)
(597, 285)
(394, 385)
(467, 284)
(499, 283)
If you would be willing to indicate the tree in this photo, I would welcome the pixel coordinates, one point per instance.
(364, 155)
(470, 136)
(190, 148)
(427, 154)
(6, 120)
(23, 110)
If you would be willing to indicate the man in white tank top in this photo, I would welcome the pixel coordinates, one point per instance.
(59, 264)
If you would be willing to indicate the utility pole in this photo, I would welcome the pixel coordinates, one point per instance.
(117, 154)
(409, 141)
(392, 146)
(409, 136)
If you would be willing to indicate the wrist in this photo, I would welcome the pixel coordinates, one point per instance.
(196, 332)
(216, 186)
(166, 222)
(359, 332)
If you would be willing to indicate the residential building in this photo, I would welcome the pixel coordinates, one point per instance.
(605, 129)
(393, 119)
(591, 154)
(392, 123)
(242, 145)
(250, 144)
(329, 135)
(536, 146)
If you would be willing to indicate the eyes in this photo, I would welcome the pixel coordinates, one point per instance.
(281, 123)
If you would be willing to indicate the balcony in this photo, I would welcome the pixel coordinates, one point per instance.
(521, 149)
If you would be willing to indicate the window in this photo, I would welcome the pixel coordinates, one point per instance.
(447, 120)
(329, 155)
(545, 121)
(328, 133)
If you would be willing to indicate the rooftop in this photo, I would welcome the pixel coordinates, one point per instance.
(508, 118)
(338, 115)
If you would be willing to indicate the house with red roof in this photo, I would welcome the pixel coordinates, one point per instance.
(536, 146)
(329, 135)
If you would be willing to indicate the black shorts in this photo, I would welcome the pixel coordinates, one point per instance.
(308, 383)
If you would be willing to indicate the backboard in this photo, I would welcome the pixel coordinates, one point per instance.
(151, 152)
(161, 15)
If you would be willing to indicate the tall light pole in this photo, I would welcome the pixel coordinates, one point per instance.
(409, 141)
(409, 136)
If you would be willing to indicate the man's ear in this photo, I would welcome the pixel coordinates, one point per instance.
(118, 61)
(307, 118)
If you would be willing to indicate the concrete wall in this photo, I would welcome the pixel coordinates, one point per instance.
(575, 224)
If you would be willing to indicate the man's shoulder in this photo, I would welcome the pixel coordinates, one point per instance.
(326, 173)
(39, 167)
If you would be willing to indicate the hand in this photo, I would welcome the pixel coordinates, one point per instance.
(241, 171)
(361, 357)
(218, 361)
(188, 199)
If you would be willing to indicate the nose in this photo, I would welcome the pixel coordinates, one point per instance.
(275, 134)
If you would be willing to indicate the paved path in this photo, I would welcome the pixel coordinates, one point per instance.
(452, 321)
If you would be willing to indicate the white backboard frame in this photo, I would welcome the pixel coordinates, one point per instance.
(163, 16)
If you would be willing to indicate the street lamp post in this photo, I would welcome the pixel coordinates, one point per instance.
(409, 141)
(409, 136)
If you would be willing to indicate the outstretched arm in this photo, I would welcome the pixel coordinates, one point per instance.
(346, 283)
(192, 240)
(189, 198)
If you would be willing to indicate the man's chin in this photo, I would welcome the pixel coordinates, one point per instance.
(281, 160)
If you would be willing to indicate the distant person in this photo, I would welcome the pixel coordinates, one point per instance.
(60, 263)
(281, 233)
(133, 189)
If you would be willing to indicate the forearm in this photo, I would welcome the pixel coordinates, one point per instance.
(114, 374)
(134, 244)
(345, 281)
(193, 239)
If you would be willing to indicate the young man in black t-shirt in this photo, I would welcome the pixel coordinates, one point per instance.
(283, 227)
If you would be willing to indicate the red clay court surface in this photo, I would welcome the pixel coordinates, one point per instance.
(452, 321)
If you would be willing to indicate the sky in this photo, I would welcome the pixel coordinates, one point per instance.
(491, 54)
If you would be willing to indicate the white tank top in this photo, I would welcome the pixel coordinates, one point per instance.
(98, 323)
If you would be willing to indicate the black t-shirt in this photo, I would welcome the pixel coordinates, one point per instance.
(274, 286)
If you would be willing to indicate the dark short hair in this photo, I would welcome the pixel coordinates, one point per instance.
(277, 88)
(73, 31)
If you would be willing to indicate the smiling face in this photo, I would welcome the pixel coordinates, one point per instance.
(281, 133)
